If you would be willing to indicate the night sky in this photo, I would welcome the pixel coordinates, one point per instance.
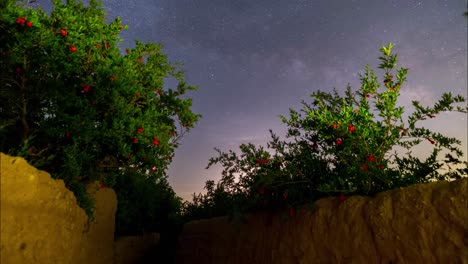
(254, 59)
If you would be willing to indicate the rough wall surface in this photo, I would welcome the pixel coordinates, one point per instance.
(41, 221)
(424, 223)
(131, 249)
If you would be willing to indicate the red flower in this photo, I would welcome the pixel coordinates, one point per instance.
(285, 195)
(335, 126)
(137, 95)
(371, 158)
(367, 95)
(364, 167)
(351, 128)
(19, 70)
(106, 46)
(265, 161)
(291, 212)
(152, 169)
(63, 32)
(103, 186)
(342, 198)
(432, 141)
(261, 191)
(159, 92)
(155, 141)
(29, 24)
(135, 140)
(339, 141)
(112, 78)
(381, 166)
(72, 49)
(187, 124)
(86, 88)
(259, 161)
(97, 45)
(20, 20)
(394, 89)
(140, 130)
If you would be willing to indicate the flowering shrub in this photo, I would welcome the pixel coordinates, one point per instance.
(344, 150)
(72, 106)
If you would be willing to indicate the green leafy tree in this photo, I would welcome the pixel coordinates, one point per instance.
(342, 146)
(72, 105)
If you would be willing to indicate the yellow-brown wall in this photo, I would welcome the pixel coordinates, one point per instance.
(41, 221)
(425, 223)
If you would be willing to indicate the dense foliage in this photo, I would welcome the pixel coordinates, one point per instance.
(342, 146)
(72, 105)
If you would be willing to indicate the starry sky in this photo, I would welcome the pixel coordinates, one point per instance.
(254, 59)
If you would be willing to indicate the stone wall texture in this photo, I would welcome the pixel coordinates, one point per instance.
(41, 222)
(424, 223)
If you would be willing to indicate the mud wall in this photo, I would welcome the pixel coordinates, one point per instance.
(425, 223)
(41, 222)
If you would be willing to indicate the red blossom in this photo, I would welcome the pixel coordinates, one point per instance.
(29, 24)
(432, 141)
(259, 161)
(127, 51)
(63, 32)
(106, 46)
(140, 130)
(112, 78)
(152, 169)
(342, 197)
(261, 191)
(335, 126)
(285, 195)
(381, 166)
(364, 167)
(351, 128)
(159, 92)
(20, 20)
(339, 141)
(135, 140)
(155, 141)
(371, 158)
(367, 95)
(187, 124)
(97, 45)
(265, 161)
(72, 48)
(86, 88)
(103, 186)
(137, 95)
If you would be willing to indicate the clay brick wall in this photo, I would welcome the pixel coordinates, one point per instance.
(425, 223)
(41, 222)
